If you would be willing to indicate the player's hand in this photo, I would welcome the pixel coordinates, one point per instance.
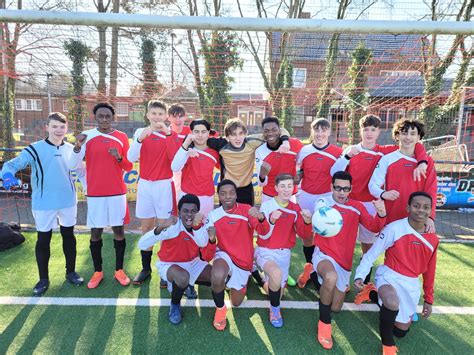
(146, 133)
(284, 147)
(211, 232)
(189, 139)
(114, 152)
(80, 140)
(275, 216)
(359, 284)
(420, 172)
(265, 169)
(427, 309)
(307, 216)
(391, 195)
(193, 153)
(163, 127)
(353, 150)
(380, 207)
(430, 226)
(254, 212)
(198, 219)
(9, 181)
(170, 221)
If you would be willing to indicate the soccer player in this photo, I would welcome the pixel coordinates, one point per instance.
(105, 151)
(155, 147)
(410, 251)
(332, 258)
(316, 160)
(360, 161)
(177, 117)
(197, 172)
(231, 226)
(53, 197)
(270, 162)
(392, 179)
(274, 248)
(179, 263)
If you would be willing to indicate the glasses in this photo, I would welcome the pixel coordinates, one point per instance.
(340, 188)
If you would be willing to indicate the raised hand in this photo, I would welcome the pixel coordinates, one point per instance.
(193, 153)
(168, 222)
(380, 207)
(211, 232)
(275, 215)
(391, 195)
(163, 127)
(284, 147)
(307, 216)
(254, 212)
(420, 172)
(430, 226)
(114, 152)
(80, 140)
(198, 219)
(189, 139)
(353, 150)
(145, 133)
(265, 169)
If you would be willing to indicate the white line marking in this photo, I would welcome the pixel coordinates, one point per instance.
(202, 303)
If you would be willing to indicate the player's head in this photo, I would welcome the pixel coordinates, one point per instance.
(156, 111)
(369, 129)
(177, 115)
(320, 131)
(419, 206)
(235, 131)
(271, 130)
(408, 132)
(56, 126)
(104, 115)
(188, 206)
(341, 186)
(284, 186)
(200, 130)
(227, 192)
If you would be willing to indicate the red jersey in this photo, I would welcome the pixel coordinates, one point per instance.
(316, 165)
(282, 234)
(280, 163)
(104, 174)
(395, 172)
(156, 153)
(341, 246)
(234, 231)
(184, 132)
(197, 173)
(407, 252)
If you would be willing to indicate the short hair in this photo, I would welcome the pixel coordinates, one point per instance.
(404, 124)
(56, 116)
(320, 122)
(419, 193)
(189, 198)
(271, 119)
(370, 121)
(156, 104)
(103, 105)
(232, 124)
(342, 175)
(283, 177)
(176, 110)
(224, 183)
(203, 122)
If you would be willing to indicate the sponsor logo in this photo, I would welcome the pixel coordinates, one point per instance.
(232, 222)
(440, 199)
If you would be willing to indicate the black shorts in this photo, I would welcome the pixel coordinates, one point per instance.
(246, 195)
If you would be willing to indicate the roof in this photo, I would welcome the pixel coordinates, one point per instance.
(179, 92)
(404, 86)
(385, 47)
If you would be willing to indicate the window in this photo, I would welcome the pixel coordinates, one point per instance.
(298, 117)
(28, 105)
(400, 73)
(65, 106)
(299, 77)
(122, 108)
(18, 104)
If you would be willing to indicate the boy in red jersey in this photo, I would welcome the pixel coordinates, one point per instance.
(232, 226)
(410, 251)
(392, 179)
(177, 117)
(179, 263)
(105, 151)
(155, 147)
(274, 248)
(332, 258)
(316, 160)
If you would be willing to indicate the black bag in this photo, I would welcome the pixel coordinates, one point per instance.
(10, 236)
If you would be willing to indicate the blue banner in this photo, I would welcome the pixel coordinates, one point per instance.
(455, 190)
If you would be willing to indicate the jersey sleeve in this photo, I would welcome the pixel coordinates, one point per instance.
(75, 160)
(125, 164)
(262, 228)
(420, 153)
(340, 164)
(303, 230)
(16, 164)
(179, 160)
(134, 151)
(217, 143)
(208, 252)
(266, 210)
(429, 278)
(373, 224)
(150, 238)
(258, 165)
(431, 186)
(378, 178)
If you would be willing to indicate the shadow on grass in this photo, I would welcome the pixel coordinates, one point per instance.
(40, 329)
(12, 330)
(141, 321)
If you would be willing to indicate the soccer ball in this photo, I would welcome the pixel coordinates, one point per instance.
(327, 221)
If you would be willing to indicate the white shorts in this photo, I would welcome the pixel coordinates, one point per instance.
(46, 220)
(281, 257)
(267, 197)
(238, 277)
(343, 276)
(366, 236)
(155, 199)
(308, 201)
(408, 291)
(193, 267)
(107, 211)
(206, 202)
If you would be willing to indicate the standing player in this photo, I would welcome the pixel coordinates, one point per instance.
(177, 117)
(332, 257)
(179, 263)
(316, 160)
(155, 146)
(53, 196)
(231, 226)
(105, 150)
(392, 179)
(274, 248)
(410, 251)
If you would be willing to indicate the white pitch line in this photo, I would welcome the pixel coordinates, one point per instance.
(202, 303)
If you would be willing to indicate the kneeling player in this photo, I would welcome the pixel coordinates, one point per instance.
(409, 252)
(231, 226)
(179, 263)
(274, 248)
